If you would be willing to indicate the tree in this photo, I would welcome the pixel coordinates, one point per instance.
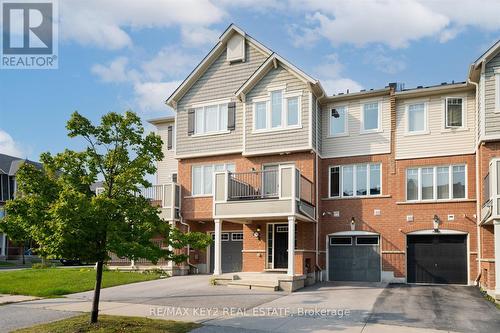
(58, 210)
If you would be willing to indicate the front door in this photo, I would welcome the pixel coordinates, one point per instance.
(280, 245)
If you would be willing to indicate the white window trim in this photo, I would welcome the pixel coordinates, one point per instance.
(450, 183)
(376, 244)
(203, 177)
(379, 129)
(346, 122)
(464, 114)
(237, 240)
(202, 105)
(341, 180)
(426, 118)
(330, 241)
(497, 90)
(284, 111)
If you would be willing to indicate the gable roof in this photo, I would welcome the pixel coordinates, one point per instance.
(486, 56)
(9, 165)
(216, 51)
(273, 61)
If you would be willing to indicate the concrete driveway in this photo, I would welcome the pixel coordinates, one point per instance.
(356, 307)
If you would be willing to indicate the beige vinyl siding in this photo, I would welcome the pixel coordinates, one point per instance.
(319, 127)
(492, 118)
(220, 81)
(356, 143)
(281, 140)
(168, 165)
(438, 141)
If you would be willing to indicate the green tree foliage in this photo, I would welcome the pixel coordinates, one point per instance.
(58, 210)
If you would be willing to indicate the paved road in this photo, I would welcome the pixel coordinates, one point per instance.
(356, 307)
(455, 308)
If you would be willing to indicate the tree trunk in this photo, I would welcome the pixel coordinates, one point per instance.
(97, 292)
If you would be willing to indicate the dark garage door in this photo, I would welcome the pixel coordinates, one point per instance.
(354, 258)
(232, 244)
(437, 259)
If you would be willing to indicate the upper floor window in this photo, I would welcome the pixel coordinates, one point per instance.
(280, 111)
(202, 177)
(338, 121)
(416, 117)
(355, 180)
(371, 117)
(211, 119)
(454, 112)
(436, 183)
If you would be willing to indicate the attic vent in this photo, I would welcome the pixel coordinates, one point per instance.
(236, 48)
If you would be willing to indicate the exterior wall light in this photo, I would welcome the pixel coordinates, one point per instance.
(436, 222)
(353, 223)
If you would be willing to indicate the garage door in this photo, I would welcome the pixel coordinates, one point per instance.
(232, 244)
(437, 259)
(354, 258)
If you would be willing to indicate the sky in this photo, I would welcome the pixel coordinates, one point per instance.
(118, 55)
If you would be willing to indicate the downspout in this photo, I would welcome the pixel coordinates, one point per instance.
(478, 185)
(181, 220)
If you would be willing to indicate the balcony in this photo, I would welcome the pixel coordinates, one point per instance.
(166, 197)
(490, 209)
(275, 193)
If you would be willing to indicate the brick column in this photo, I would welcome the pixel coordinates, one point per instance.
(496, 231)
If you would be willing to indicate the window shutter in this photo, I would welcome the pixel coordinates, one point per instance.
(231, 116)
(170, 138)
(191, 121)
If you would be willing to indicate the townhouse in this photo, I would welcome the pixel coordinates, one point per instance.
(9, 165)
(390, 184)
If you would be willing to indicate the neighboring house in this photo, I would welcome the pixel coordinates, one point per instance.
(377, 185)
(9, 165)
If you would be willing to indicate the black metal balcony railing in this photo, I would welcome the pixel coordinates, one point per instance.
(253, 185)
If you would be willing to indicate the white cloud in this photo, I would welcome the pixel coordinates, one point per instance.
(383, 62)
(394, 23)
(115, 72)
(104, 23)
(197, 36)
(330, 74)
(169, 62)
(8, 146)
(151, 96)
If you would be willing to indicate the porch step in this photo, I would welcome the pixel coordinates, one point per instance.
(258, 285)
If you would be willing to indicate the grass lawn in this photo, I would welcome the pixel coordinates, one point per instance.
(109, 324)
(54, 282)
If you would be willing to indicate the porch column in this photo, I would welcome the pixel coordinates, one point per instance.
(2, 249)
(291, 245)
(496, 231)
(217, 247)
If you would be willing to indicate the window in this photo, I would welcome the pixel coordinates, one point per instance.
(416, 117)
(334, 181)
(237, 236)
(211, 119)
(280, 111)
(276, 108)
(260, 115)
(202, 176)
(454, 115)
(371, 117)
(338, 121)
(292, 116)
(339, 241)
(436, 183)
(355, 180)
(174, 177)
(366, 240)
